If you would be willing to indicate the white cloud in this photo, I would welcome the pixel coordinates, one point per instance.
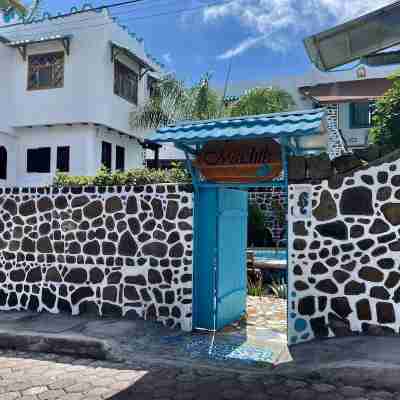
(279, 24)
(167, 58)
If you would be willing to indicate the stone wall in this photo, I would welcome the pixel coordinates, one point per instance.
(263, 199)
(113, 251)
(344, 253)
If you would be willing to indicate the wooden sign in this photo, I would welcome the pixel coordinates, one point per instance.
(240, 161)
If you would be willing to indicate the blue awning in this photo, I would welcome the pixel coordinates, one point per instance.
(283, 125)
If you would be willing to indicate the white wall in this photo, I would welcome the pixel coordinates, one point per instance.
(353, 137)
(81, 140)
(134, 153)
(88, 92)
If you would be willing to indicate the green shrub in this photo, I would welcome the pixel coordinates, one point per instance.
(137, 176)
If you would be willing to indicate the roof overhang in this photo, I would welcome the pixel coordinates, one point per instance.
(117, 49)
(355, 39)
(21, 45)
(344, 92)
(305, 128)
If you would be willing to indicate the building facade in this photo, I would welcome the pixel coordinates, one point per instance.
(69, 86)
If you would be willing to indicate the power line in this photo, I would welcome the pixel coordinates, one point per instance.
(99, 8)
(80, 28)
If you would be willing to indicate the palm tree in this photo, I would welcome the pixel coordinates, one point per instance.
(172, 101)
(9, 5)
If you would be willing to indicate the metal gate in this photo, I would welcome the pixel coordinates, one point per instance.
(220, 281)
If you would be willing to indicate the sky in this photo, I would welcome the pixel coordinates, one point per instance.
(261, 38)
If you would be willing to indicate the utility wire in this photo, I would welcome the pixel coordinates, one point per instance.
(69, 24)
(108, 7)
(80, 28)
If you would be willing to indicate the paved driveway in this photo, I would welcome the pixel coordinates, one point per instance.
(26, 376)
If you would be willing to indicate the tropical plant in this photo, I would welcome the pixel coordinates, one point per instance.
(263, 101)
(8, 5)
(279, 288)
(16, 8)
(255, 286)
(386, 117)
(172, 101)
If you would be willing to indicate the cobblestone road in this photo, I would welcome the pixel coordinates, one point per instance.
(25, 376)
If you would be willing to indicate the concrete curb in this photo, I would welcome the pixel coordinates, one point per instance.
(68, 344)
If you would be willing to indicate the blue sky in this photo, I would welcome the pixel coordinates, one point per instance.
(262, 37)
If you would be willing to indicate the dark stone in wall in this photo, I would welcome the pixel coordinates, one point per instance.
(326, 209)
(327, 286)
(341, 306)
(93, 209)
(384, 193)
(45, 204)
(392, 280)
(113, 204)
(307, 305)
(319, 327)
(386, 263)
(79, 201)
(131, 205)
(335, 230)
(318, 269)
(391, 211)
(339, 326)
(356, 201)
(365, 244)
(385, 313)
(10, 206)
(61, 202)
(127, 245)
(363, 310)
(379, 226)
(354, 288)
(341, 276)
(27, 208)
(379, 292)
(371, 274)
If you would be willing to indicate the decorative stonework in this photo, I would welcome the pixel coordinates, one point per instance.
(344, 257)
(115, 250)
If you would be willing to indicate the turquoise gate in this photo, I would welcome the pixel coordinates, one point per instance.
(220, 257)
(220, 219)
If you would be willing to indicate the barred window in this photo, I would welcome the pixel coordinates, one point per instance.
(126, 82)
(46, 71)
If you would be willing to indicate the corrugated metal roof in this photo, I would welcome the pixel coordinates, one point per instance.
(295, 123)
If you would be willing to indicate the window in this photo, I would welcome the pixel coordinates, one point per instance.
(152, 86)
(38, 160)
(3, 162)
(106, 154)
(120, 158)
(63, 159)
(46, 71)
(125, 82)
(360, 115)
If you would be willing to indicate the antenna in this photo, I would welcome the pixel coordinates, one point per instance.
(228, 76)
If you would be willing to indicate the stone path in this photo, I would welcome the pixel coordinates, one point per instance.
(26, 376)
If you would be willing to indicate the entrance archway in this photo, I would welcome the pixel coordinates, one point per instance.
(3, 163)
(226, 158)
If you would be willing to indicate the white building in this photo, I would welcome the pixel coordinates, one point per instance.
(68, 87)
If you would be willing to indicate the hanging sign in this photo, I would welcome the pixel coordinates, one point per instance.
(240, 161)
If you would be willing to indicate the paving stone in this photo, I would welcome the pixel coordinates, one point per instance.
(351, 391)
(323, 388)
(302, 394)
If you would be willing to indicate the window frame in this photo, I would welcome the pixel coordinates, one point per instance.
(103, 144)
(352, 123)
(48, 87)
(118, 66)
(68, 159)
(117, 150)
(3, 163)
(31, 149)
